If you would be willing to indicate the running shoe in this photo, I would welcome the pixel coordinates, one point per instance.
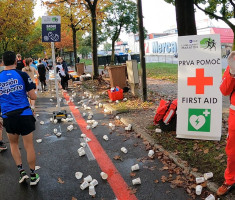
(2, 146)
(23, 177)
(224, 189)
(34, 179)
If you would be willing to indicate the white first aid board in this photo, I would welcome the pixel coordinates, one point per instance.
(199, 110)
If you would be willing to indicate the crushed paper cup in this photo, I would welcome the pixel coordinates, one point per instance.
(94, 182)
(80, 149)
(55, 130)
(158, 130)
(198, 190)
(83, 114)
(84, 185)
(63, 120)
(51, 119)
(82, 153)
(117, 117)
(136, 181)
(37, 115)
(83, 144)
(124, 150)
(78, 175)
(37, 168)
(210, 197)
(92, 191)
(103, 175)
(88, 127)
(89, 117)
(70, 127)
(87, 139)
(90, 121)
(200, 180)
(39, 140)
(83, 135)
(94, 124)
(88, 179)
(150, 153)
(135, 167)
(55, 121)
(41, 122)
(58, 134)
(208, 175)
(105, 137)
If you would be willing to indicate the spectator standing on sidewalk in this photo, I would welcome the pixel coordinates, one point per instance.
(18, 119)
(31, 71)
(227, 87)
(20, 64)
(62, 74)
(2, 144)
(42, 74)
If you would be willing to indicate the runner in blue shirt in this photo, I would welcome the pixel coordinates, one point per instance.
(18, 119)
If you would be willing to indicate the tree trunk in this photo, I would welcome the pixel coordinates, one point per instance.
(112, 55)
(94, 44)
(74, 46)
(185, 17)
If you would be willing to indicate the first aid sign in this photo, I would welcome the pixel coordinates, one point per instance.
(199, 111)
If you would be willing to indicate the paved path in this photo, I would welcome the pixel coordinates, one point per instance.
(59, 160)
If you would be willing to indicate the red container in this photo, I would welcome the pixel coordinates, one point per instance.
(117, 95)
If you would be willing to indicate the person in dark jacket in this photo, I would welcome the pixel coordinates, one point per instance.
(19, 63)
(65, 67)
(42, 74)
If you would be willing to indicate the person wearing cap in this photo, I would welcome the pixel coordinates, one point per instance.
(227, 88)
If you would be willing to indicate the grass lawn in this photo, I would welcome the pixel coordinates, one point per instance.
(86, 61)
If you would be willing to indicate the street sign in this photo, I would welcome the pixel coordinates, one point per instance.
(199, 110)
(51, 28)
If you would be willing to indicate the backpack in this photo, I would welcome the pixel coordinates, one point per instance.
(166, 115)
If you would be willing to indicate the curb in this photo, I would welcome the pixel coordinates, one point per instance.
(177, 160)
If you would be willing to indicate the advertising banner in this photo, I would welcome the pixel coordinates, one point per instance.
(51, 28)
(199, 111)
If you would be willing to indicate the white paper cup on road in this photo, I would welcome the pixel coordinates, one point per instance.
(55, 130)
(136, 181)
(117, 117)
(135, 167)
(92, 191)
(83, 135)
(51, 100)
(58, 134)
(83, 114)
(84, 185)
(94, 124)
(200, 180)
(208, 175)
(104, 175)
(210, 197)
(110, 124)
(89, 117)
(80, 149)
(88, 179)
(83, 144)
(105, 137)
(41, 122)
(78, 175)
(198, 190)
(124, 150)
(113, 127)
(37, 115)
(39, 140)
(94, 182)
(82, 153)
(150, 153)
(88, 139)
(158, 130)
(55, 121)
(88, 127)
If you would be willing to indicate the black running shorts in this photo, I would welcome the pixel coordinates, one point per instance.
(20, 124)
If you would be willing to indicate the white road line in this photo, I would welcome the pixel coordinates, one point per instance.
(88, 151)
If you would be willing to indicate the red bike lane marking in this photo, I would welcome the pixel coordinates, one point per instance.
(115, 180)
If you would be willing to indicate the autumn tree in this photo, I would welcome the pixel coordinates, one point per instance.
(121, 16)
(16, 22)
(220, 10)
(185, 16)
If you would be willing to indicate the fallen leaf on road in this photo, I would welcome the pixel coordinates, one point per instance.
(206, 151)
(156, 181)
(204, 184)
(60, 181)
(117, 158)
(73, 198)
(163, 179)
(135, 145)
(194, 169)
(132, 174)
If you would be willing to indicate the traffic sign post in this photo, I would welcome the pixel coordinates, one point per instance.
(199, 110)
(51, 32)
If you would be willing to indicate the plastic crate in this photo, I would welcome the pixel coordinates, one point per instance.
(117, 95)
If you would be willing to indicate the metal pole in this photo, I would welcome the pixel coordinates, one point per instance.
(56, 83)
(142, 51)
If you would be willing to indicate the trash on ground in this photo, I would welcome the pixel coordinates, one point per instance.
(117, 117)
(135, 167)
(51, 100)
(55, 130)
(89, 116)
(105, 137)
(37, 115)
(103, 175)
(125, 99)
(83, 135)
(94, 124)
(158, 130)
(51, 119)
(37, 168)
(198, 190)
(92, 191)
(55, 121)
(82, 153)
(150, 153)
(117, 101)
(200, 180)
(128, 128)
(39, 140)
(83, 144)
(41, 122)
(58, 134)
(83, 114)
(124, 150)
(94, 182)
(210, 197)
(88, 127)
(136, 181)
(84, 185)
(70, 127)
(88, 139)
(78, 175)
(208, 175)
(88, 179)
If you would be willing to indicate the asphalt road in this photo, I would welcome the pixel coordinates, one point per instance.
(58, 160)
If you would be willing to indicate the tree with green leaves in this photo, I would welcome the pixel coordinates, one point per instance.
(185, 16)
(121, 16)
(220, 10)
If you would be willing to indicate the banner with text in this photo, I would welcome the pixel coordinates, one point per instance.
(199, 111)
